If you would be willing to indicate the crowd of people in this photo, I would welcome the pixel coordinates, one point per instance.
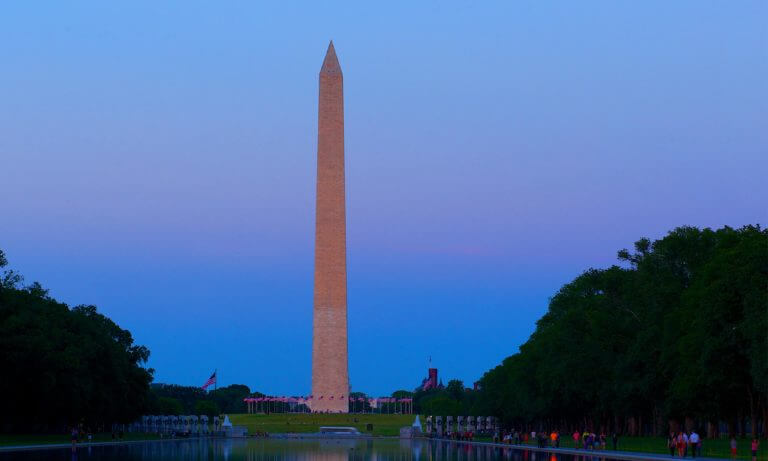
(79, 434)
(682, 443)
(591, 441)
(466, 436)
(586, 440)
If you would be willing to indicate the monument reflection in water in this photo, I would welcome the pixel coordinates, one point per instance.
(306, 449)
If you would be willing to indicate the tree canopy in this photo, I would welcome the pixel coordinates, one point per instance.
(677, 334)
(228, 399)
(63, 366)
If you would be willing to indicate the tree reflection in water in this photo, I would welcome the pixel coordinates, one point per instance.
(295, 449)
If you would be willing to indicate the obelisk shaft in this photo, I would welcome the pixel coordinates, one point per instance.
(330, 378)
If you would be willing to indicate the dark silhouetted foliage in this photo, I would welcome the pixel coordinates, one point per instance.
(228, 399)
(63, 366)
(679, 335)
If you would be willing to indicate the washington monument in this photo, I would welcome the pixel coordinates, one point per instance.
(330, 372)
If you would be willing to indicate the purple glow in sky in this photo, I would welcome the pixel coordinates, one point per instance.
(157, 159)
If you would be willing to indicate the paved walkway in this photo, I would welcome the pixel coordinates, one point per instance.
(631, 455)
(45, 446)
(595, 454)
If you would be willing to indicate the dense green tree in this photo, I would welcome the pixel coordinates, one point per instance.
(168, 406)
(187, 396)
(230, 398)
(678, 335)
(453, 399)
(359, 406)
(402, 394)
(206, 407)
(63, 366)
(455, 389)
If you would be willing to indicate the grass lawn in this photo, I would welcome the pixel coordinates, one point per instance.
(47, 439)
(715, 448)
(308, 422)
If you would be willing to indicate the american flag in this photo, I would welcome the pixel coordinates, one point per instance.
(211, 380)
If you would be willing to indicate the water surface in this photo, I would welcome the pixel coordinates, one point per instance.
(307, 449)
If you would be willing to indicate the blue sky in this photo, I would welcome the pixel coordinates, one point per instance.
(158, 161)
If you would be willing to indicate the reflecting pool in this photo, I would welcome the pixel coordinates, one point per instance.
(301, 449)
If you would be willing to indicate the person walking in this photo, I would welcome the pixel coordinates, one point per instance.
(682, 444)
(755, 446)
(671, 441)
(694, 441)
(615, 440)
(734, 447)
(576, 437)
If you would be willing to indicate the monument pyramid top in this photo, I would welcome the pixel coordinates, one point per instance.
(331, 62)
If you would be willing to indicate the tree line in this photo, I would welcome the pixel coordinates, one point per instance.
(452, 399)
(63, 366)
(676, 336)
(173, 399)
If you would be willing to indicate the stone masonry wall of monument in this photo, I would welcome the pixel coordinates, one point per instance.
(330, 378)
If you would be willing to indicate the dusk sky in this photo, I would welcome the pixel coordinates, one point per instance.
(157, 160)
